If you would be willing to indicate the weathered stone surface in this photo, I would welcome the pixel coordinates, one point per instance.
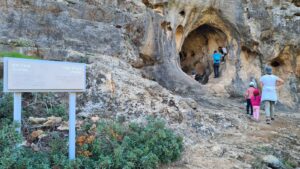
(255, 33)
(132, 48)
(151, 34)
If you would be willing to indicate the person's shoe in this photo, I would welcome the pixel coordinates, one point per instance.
(268, 121)
(272, 118)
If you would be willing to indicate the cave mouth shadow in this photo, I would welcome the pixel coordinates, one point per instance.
(197, 49)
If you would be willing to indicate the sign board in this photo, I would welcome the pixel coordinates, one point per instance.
(29, 75)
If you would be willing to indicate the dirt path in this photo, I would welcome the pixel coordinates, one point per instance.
(245, 145)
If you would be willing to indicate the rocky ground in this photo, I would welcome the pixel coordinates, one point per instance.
(246, 144)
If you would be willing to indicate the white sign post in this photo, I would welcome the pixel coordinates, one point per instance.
(72, 125)
(27, 75)
(18, 110)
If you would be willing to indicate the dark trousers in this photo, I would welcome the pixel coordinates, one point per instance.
(216, 69)
(223, 57)
(249, 106)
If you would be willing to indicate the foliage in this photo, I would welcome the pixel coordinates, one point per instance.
(8, 135)
(6, 103)
(44, 105)
(289, 164)
(14, 156)
(132, 146)
(16, 55)
(113, 146)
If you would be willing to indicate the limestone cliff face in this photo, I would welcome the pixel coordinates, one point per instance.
(139, 56)
(161, 40)
(256, 33)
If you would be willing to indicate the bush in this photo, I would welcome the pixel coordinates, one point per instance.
(6, 103)
(134, 146)
(44, 105)
(8, 140)
(113, 146)
(14, 156)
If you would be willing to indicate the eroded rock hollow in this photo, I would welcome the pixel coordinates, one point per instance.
(162, 40)
(192, 30)
(197, 48)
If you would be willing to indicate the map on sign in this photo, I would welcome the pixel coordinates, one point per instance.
(27, 75)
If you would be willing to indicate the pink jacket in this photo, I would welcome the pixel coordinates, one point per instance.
(249, 92)
(255, 100)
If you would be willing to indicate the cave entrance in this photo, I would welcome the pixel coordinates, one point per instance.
(198, 47)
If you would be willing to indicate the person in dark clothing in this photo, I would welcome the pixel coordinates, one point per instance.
(223, 52)
(217, 58)
(220, 50)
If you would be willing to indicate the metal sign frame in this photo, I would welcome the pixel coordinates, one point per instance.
(72, 102)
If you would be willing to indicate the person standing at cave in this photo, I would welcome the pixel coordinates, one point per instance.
(220, 50)
(269, 82)
(248, 94)
(223, 52)
(217, 58)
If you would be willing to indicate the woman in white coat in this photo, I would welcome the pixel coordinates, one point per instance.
(269, 82)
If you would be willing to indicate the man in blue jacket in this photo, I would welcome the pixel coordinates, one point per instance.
(217, 58)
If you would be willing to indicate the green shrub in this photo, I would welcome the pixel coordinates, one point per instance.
(16, 55)
(135, 146)
(14, 156)
(113, 146)
(8, 141)
(289, 164)
(58, 110)
(6, 103)
(44, 105)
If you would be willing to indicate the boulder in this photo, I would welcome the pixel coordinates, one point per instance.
(273, 162)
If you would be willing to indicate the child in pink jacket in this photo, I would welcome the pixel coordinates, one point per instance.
(255, 101)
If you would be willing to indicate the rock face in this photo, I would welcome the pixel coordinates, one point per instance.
(255, 33)
(140, 54)
(167, 39)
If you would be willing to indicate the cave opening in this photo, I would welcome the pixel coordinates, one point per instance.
(197, 49)
(275, 63)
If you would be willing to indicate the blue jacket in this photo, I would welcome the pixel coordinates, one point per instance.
(217, 57)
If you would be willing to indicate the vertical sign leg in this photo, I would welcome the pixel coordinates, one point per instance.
(72, 125)
(17, 110)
